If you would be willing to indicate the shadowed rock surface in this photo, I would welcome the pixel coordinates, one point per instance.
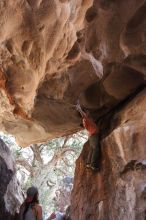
(119, 190)
(10, 190)
(53, 53)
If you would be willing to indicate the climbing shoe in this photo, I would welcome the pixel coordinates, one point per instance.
(95, 169)
(88, 165)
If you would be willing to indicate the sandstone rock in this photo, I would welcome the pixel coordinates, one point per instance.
(54, 52)
(118, 191)
(10, 190)
(36, 38)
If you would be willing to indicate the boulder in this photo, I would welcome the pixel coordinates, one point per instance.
(10, 189)
(118, 191)
(54, 53)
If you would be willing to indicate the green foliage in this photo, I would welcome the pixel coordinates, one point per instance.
(46, 166)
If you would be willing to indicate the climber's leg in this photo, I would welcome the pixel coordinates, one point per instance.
(96, 153)
(88, 162)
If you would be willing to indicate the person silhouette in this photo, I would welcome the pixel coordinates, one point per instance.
(30, 209)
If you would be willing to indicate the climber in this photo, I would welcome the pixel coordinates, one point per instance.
(30, 209)
(93, 159)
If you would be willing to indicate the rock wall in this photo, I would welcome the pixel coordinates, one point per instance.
(10, 190)
(56, 52)
(36, 41)
(118, 192)
(53, 53)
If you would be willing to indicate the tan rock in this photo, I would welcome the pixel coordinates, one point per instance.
(118, 191)
(54, 52)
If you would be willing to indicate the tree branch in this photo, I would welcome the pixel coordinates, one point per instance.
(65, 141)
(59, 155)
(25, 164)
(36, 152)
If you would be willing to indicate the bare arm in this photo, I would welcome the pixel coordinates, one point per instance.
(39, 213)
(52, 216)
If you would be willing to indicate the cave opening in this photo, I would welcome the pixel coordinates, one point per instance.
(48, 166)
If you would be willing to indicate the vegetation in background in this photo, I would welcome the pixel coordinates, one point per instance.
(50, 167)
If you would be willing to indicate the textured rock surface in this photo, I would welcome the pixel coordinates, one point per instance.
(118, 192)
(10, 191)
(54, 52)
(35, 40)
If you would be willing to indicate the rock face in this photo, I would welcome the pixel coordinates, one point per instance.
(118, 192)
(10, 191)
(54, 52)
(36, 49)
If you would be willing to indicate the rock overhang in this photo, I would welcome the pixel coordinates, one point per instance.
(52, 53)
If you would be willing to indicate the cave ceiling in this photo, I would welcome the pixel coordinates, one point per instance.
(53, 53)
